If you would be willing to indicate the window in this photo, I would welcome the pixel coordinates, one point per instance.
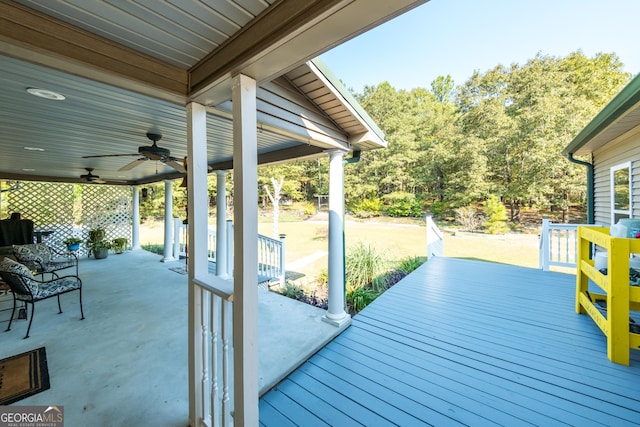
(620, 192)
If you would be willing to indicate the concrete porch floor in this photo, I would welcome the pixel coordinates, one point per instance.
(126, 363)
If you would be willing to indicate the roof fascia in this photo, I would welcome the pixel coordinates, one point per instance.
(335, 85)
(614, 110)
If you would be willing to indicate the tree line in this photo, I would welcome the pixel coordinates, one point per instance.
(499, 134)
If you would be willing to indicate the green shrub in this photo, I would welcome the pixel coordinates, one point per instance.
(496, 215)
(407, 265)
(323, 277)
(292, 291)
(438, 208)
(358, 298)
(403, 205)
(306, 208)
(154, 248)
(309, 208)
(366, 208)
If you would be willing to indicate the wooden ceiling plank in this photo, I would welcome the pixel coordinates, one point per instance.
(43, 34)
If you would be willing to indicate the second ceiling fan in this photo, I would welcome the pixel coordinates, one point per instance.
(148, 152)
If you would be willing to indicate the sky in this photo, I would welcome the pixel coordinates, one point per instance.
(456, 37)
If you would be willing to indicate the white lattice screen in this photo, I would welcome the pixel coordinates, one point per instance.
(70, 209)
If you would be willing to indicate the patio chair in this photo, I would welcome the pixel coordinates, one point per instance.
(42, 259)
(29, 290)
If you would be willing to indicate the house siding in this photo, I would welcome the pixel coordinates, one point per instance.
(623, 149)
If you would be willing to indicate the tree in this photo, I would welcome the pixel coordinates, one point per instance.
(275, 202)
(525, 115)
(496, 215)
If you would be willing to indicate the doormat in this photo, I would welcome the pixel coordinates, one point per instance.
(23, 375)
(179, 270)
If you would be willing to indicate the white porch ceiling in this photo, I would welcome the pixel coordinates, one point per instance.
(128, 67)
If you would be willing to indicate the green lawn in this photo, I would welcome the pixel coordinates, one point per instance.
(397, 241)
(393, 240)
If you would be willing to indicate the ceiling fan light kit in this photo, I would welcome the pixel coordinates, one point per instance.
(90, 177)
(148, 152)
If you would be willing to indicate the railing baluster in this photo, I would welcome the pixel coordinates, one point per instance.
(227, 329)
(282, 273)
(216, 398)
(206, 359)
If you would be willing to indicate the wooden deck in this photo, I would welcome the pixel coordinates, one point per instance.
(463, 342)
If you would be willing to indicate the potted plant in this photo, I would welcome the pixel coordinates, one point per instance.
(97, 245)
(119, 244)
(73, 243)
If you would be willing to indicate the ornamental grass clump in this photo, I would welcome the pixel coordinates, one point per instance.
(364, 269)
(362, 265)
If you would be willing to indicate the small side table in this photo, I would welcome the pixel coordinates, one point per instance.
(40, 234)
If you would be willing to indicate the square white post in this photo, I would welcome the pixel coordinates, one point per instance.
(168, 220)
(245, 299)
(221, 224)
(197, 202)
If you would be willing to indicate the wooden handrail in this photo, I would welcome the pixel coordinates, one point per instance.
(618, 295)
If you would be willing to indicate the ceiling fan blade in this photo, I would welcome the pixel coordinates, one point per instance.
(111, 155)
(177, 166)
(133, 164)
(99, 181)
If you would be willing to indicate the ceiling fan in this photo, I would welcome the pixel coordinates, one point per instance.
(89, 177)
(149, 152)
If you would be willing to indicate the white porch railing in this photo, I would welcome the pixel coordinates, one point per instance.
(271, 258)
(270, 251)
(215, 352)
(435, 238)
(559, 244)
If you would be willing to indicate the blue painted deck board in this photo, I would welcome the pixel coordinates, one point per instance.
(466, 342)
(334, 398)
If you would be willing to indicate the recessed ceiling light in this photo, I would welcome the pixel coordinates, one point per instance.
(47, 94)
(34, 148)
(28, 170)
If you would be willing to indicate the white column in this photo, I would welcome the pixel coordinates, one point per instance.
(168, 221)
(245, 214)
(197, 202)
(177, 223)
(336, 315)
(135, 220)
(221, 224)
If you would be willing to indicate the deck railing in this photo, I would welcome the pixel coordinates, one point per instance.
(609, 310)
(271, 258)
(215, 349)
(559, 244)
(271, 263)
(435, 238)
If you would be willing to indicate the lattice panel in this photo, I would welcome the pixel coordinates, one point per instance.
(71, 209)
(107, 206)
